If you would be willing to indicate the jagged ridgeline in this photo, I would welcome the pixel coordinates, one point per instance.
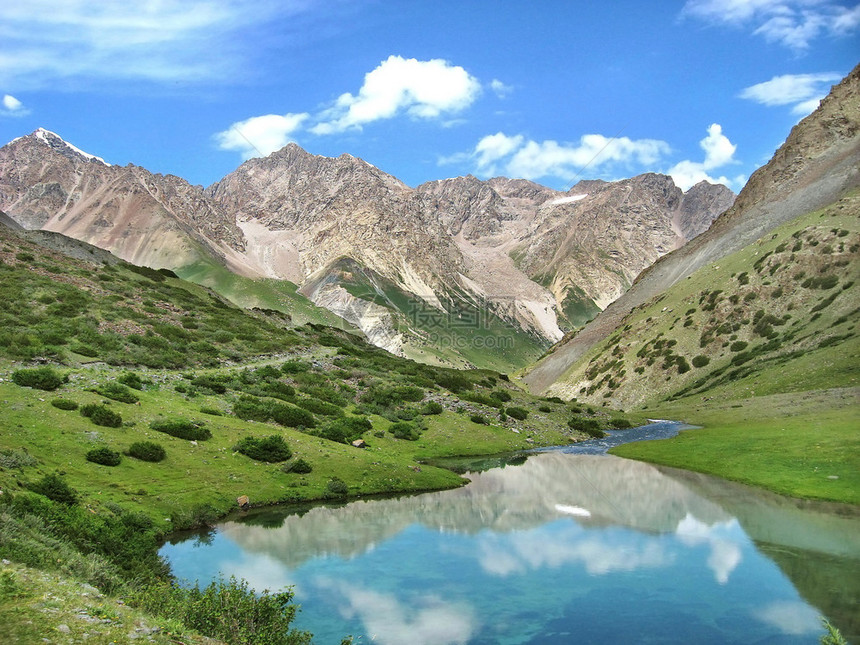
(763, 302)
(779, 315)
(459, 272)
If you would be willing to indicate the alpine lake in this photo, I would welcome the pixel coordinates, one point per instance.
(566, 545)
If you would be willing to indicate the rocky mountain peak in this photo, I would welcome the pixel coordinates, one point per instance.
(56, 143)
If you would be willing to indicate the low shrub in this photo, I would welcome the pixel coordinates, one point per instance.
(700, 361)
(320, 407)
(298, 467)
(738, 345)
(12, 458)
(117, 392)
(501, 395)
(271, 449)
(64, 404)
(182, 429)
(147, 451)
(346, 429)
(132, 380)
(215, 412)
(228, 611)
(104, 456)
(432, 407)
(101, 415)
(39, 378)
(479, 419)
(404, 430)
(337, 487)
(55, 488)
(520, 414)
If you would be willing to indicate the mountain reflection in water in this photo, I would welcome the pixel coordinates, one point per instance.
(562, 548)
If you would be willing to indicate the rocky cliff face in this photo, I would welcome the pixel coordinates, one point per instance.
(532, 260)
(818, 164)
(46, 183)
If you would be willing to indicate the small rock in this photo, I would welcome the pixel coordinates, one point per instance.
(63, 628)
(833, 477)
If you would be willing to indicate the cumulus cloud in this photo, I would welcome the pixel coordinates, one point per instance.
(719, 152)
(421, 89)
(429, 621)
(791, 617)
(48, 42)
(516, 156)
(792, 23)
(260, 135)
(802, 91)
(500, 89)
(12, 106)
(518, 553)
(725, 553)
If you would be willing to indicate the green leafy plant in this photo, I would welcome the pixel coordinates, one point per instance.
(182, 429)
(64, 404)
(101, 415)
(521, 414)
(55, 488)
(39, 378)
(271, 449)
(104, 456)
(147, 451)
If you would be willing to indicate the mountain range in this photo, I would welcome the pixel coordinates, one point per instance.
(459, 271)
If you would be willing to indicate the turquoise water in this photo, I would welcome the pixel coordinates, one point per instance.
(563, 548)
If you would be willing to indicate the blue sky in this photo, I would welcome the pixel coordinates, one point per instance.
(554, 91)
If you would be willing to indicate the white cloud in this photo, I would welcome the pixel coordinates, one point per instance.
(422, 89)
(532, 550)
(791, 617)
(501, 89)
(260, 135)
(719, 152)
(430, 621)
(517, 156)
(804, 91)
(50, 42)
(12, 106)
(792, 23)
(725, 553)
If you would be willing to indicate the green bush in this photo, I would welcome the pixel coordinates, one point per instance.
(590, 427)
(117, 392)
(295, 367)
(501, 395)
(432, 407)
(336, 486)
(738, 345)
(55, 488)
(320, 407)
(479, 419)
(210, 383)
(182, 429)
(521, 414)
(271, 449)
(101, 415)
(40, 378)
(147, 451)
(404, 430)
(131, 380)
(292, 416)
(12, 458)
(700, 361)
(298, 467)
(228, 611)
(104, 456)
(64, 404)
(346, 429)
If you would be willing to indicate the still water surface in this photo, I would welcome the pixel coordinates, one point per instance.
(567, 546)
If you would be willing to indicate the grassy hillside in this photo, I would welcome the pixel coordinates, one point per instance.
(735, 347)
(136, 403)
